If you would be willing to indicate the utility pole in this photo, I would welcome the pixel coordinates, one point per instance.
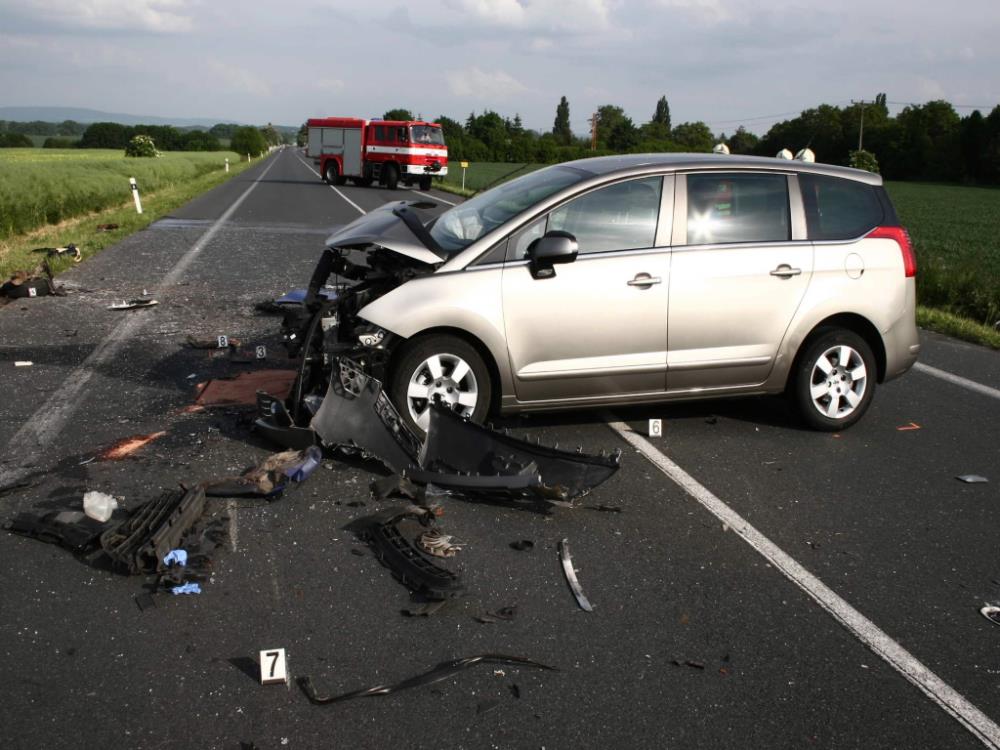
(861, 130)
(593, 132)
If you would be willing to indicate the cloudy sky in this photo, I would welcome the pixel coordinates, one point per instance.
(726, 62)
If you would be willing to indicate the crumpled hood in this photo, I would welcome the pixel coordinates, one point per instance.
(389, 228)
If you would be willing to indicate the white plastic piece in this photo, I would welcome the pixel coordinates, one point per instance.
(273, 669)
(784, 154)
(720, 148)
(806, 154)
(99, 506)
(23, 363)
(655, 428)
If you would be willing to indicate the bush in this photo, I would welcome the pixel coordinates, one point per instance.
(15, 140)
(141, 145)
(864, 160)
(59, 143)
(248, 140)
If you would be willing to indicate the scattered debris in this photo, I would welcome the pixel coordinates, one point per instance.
(70, 529)
(127, 446)
(408, 564)
(574, 584)
(687, 663)
(133, 304)
(504, 614)
(397, 486)
(270, 477)
(177, 557)
(106, 227)
(23, 363)
(241, 390)
(436, 542)
(70, 251)
(441, 672)
(522, 545)
(186, 588)
(38, 282)
(99, 506)
(972, 479)
(991, 613)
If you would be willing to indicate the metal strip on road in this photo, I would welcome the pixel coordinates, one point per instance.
(44, 426)
(332, 187)
(946, 697)
(958, 380)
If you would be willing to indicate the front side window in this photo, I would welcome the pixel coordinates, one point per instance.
(724, 208)
(622, 216)
(380, 132)
(839, 209)
(401, 135)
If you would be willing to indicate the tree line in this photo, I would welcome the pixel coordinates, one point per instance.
(923, 142)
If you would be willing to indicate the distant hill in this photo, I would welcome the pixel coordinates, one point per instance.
(80, 114)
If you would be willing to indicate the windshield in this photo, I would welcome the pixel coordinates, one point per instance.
(459, 227)
(426, 134)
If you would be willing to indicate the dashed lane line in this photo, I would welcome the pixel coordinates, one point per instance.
(332, 187)
(958, 380)
(34, 437)
(946, 697)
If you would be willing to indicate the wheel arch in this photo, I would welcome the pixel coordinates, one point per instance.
(852, 322)
(469, 338)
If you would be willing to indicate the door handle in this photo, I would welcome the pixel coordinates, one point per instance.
(785, 271)
(644, 280)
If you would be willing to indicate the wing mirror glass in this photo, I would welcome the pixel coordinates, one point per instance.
(553, 247)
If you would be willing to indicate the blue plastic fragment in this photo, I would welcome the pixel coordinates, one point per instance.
(302, 470)
(298, 295)
(176, 557)
(186, 588)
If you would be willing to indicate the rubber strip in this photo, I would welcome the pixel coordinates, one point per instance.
(574, 584)
(442, 671)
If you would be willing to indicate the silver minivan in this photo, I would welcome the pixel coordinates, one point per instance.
(626, 280)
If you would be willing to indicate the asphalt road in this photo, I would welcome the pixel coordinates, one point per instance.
(874, 517)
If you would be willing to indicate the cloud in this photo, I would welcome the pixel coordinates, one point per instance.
(160, 16)
(709, 11)
(541, 16)
(478, 84)
(239, 79)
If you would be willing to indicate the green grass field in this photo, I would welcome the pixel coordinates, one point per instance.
(483, 174)
(52, 197)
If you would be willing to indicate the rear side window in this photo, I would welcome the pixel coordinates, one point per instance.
(724, 208)
(839, 209)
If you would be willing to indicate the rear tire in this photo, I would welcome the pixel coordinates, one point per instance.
(391, 172)
(331, 174)
(834, 380)
(425, 183)
(444, 367)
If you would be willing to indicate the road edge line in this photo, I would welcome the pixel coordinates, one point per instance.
(946, 697)
(332, 187)
(958, 380)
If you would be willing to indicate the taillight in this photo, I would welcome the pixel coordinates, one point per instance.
(902, 238)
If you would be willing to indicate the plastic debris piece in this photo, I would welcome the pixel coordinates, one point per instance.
(178, 557)
(442, 671)
(186, 588)
(23, 363)
(570, 572)
(133, 304)
(312, 457)
(99, 506)
(972, 479)
(522, 545)
(436, 542)
(687, 663)
(127, 446)
(504, 614)
(991, 613)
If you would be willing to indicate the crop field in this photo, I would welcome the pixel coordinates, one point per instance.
(40, 187)
(483, 174)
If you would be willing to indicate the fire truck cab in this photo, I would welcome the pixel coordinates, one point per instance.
(383, 151)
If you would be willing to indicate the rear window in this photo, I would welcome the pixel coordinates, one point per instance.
(839, 209)
(740, 207)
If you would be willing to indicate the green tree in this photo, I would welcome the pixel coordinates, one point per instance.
(864, 160)
(271, 135)
(248, 140)
(561, 128)
(106, 135)
(742, 141)
(141, 146)
(15, 140)
(662, 114)
(223, 129)
(398, 114)
(53, 142)
(302, 137)
(693, 136)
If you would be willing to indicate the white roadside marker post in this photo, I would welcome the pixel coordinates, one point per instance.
(227, 165)
(135, 195)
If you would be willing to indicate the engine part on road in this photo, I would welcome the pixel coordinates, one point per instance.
(408, 564)
(570, 571)
(442, 671)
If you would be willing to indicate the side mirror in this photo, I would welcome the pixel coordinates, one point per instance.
(554, 247)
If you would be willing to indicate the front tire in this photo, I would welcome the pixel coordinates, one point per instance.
(391, 176)
(425, 182)
(834, 380)
(440, 367)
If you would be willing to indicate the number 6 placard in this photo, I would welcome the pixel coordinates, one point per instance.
(272, 666)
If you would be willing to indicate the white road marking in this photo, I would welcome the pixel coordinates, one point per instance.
(978, 723)
(958, 380)
(231, 507)
(44, 426)
(434, 197)
(332, 187)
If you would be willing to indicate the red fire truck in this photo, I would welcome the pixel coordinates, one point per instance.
(383, 151)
